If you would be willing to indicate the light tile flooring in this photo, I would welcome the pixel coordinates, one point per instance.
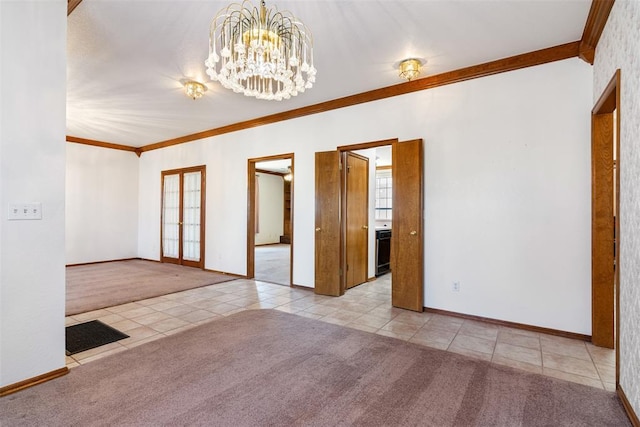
(366, 307)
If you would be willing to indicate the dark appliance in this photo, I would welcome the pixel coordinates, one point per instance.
(383, 251)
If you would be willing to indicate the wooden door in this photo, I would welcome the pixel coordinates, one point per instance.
(605, 216)
(407, 258)
(356, 219)
(327, 224)
(182, 216)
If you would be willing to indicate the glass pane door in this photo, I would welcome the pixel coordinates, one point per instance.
(171, 216)
(191, 216)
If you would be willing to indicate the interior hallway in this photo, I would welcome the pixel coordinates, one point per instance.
(366, 307)
(272, 263)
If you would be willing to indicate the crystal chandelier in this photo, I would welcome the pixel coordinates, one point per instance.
(260, 52)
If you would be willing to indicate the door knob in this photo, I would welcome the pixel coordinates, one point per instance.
(413, 233)
(365, 227)
(318, 229)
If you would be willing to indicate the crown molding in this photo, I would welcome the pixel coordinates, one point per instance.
(71, 5)
(597, 19)
(102, 144)
(538, 57)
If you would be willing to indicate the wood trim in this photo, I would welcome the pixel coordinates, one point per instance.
(203, 202)
(602, 116)
(596, 21)
(291, 211)
(251, 219)
(633, 417)
(607, 103)
(13, 388)
(280, 174)
(382, 168)
(102, 262)
(366, 145)
(71, 5)
(102, 144)
(514, 325)
(239, 276)
(538, 57)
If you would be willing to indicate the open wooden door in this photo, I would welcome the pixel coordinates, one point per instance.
(356, 208)
(605, 217)
(407, 257)
(327, 230)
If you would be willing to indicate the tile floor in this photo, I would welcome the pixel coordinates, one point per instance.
(366, 307)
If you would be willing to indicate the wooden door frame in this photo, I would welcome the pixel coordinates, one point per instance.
(603, 143)
(251, 209)
(343, 213)
(342, 150)
(203, 199)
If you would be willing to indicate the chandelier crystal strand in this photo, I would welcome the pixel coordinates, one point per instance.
(260, 52)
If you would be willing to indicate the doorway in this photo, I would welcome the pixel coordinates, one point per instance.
(183, 216)
(605, 172)
(407, 240)
(270, 219)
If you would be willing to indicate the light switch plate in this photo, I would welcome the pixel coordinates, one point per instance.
(25, 211)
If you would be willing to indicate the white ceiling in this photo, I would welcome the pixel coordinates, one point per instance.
(279, 166)
(126, 58)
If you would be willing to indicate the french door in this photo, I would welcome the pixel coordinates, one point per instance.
(183, 216)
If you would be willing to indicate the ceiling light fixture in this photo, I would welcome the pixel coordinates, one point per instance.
(194, 89)
(260, 52)
(410, 68)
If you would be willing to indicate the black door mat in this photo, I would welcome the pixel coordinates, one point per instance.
(86, 336)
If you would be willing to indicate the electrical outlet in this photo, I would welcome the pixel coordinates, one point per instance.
(455, 287)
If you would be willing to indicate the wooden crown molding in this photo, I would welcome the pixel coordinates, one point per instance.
(538, 57)
(584, 48)
(280, 174)
(597, 19)
(71, 5)
(102, 144)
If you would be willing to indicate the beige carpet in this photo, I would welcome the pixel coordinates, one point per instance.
(94, 286)
(268, 368)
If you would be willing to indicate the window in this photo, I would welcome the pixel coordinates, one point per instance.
(383, 194)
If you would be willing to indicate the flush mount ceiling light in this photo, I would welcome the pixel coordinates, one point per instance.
(410, 68)
(260, 52)
(194, 89)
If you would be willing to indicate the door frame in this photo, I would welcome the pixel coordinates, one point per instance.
(203, 199)
(251, 212)
(604, 139)
(342, 150)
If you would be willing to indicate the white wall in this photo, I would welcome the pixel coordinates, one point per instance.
(507, 189)
(101, 204)
(32, 162)
(618, 48)
(271, 208)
